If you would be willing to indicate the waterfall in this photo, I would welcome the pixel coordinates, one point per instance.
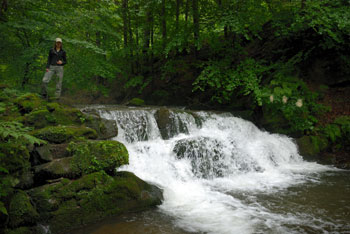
(212, 168)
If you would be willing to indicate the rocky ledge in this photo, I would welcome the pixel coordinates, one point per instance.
(59, 170)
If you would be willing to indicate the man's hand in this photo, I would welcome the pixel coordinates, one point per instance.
(59, 62)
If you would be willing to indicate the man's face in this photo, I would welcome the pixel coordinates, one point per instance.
(58, 44)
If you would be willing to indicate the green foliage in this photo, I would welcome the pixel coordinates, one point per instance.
(243, 79)
(15, 131)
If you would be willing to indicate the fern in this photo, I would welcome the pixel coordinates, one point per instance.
(13, 131)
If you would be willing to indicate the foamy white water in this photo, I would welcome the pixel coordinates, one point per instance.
(212, 174)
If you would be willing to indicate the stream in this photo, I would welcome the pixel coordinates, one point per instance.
(221, 174)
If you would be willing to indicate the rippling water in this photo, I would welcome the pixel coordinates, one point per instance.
(224, 175)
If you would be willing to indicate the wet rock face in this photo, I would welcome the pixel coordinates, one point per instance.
(169, 124)
(105, 128)
(205, 154)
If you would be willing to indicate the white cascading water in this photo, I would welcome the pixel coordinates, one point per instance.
(210, 172)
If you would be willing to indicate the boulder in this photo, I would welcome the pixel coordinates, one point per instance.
(136, 102)
(49, 152)
(21, 210)
(70, 204)
(61, 134)
(55, 169)
(104, 128)
(169, 124)
(312, 146)
(92, 156)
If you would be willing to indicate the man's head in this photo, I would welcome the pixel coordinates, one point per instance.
(58, 42)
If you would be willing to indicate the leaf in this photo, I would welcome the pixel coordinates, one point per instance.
(3, 208)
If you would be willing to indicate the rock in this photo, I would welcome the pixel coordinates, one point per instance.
(55, 169)
(61, 134)
(21, 211)
(15, 156)
(169, 124)
(104, 128)
(312, 146)
(41, 154)
(22, 230)
(26, 180)
(136, 102)
(49, 152)
(92, 156)
(205, 154)
(29, 102)
(70, 204)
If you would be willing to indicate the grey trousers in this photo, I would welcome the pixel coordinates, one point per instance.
(58, 70)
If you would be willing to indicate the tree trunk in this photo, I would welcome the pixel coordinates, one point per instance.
(178, 4)
(125, 22)
(164, 33)
(195, 14)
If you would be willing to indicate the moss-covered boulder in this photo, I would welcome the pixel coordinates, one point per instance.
(169, 123)
(29, 102)
(136, 102)
(55, 169)
(52, 114)
(312, 146)
(70, 204)
(14, 157)
(21, 210)
(105, 128)
(23, 230)
(61, 134)
(92, 156)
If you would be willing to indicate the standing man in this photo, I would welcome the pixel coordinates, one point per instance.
(55, 62)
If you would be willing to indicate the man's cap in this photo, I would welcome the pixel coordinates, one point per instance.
(58, 39)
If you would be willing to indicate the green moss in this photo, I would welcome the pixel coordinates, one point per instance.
(312, 145)
(40, 118)
(99, 195)
(14, 157)
(21, 230)
(61, 134)
(29, 102)
(136, 102)
(21, 210)
(92, 156)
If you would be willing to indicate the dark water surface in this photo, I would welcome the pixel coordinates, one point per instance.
(321, 205)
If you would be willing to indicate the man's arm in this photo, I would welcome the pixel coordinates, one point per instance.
(64, 58)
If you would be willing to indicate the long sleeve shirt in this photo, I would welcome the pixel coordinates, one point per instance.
(54, 56)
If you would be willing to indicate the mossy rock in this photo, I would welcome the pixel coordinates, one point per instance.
(69, 204)
(92, 156)
(105, 128)
(312, 146)
(29, 102)
(169, 124)
(21, 211)
(55, 169)
(39, 119)
(136, 102)
(54, 114)
(22, 230)
(61, 134)
(14, 157)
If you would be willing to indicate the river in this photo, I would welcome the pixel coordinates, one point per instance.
(221, 174)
